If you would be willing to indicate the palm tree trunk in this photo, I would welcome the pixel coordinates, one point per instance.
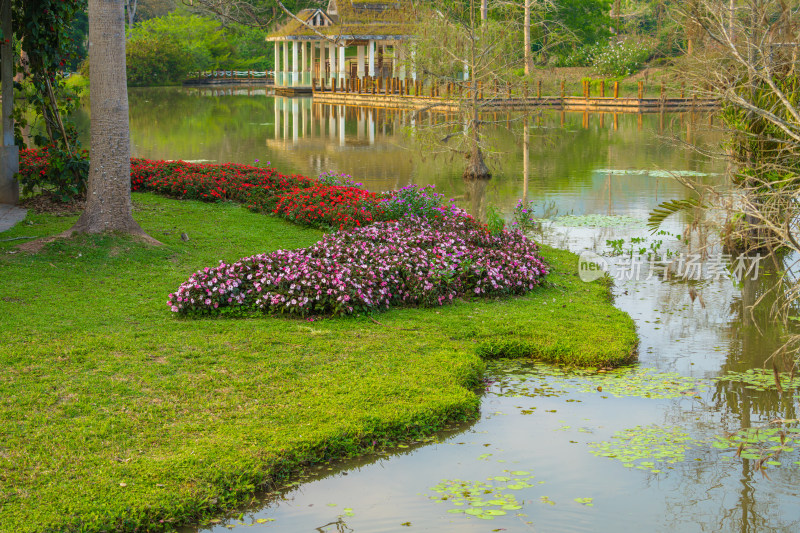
(108, 198)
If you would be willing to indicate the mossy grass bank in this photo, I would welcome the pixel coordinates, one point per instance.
(115, 414)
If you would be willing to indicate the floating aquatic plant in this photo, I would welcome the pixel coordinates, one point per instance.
(621, 382)
(484, 500)
(761, 379)
(766, 445)
(644, 447)
(598, 221)
(653, 173)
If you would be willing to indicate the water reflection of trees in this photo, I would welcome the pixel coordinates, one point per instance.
(715, 495)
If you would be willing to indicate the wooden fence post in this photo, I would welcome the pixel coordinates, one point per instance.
(602, 88)
(641, 90)
(616, 89)
(563, 88)
(539, 89)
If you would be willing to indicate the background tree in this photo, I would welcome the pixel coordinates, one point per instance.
(130, 10)
(451, 42)
(749, 62)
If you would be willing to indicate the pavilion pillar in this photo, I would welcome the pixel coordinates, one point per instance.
(295, 63)
(413, 62)
(285, 61)
(401, 58)
(332, 58)
(303, 62)
(322, 60)
(277, 62)
(394, 59)
(311, 61)
(371, 59)
(466, 71)
(341, 64)
(360, 50)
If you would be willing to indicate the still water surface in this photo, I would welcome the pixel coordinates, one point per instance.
(531, 449)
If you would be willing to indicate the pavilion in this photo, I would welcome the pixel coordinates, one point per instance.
(351, 38)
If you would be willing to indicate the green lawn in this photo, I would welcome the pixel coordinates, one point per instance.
(116, 414)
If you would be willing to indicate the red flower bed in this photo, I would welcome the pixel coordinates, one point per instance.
(298, 198)
(33, 162)
(331, 205)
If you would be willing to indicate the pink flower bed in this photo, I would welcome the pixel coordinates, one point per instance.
(410, 262)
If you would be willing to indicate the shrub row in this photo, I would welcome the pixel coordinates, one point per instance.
(330, 202)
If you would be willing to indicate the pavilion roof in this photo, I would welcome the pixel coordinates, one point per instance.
(352, 19)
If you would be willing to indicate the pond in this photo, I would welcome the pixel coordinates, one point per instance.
(657, 447)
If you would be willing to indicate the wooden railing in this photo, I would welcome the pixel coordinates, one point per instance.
(233, 75)
(590, 89)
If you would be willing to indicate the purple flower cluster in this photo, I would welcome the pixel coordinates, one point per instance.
(332, 178)
(420, 201)
(413, 261)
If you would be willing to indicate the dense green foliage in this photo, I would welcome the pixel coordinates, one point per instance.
(120, 416)
(162, 50)
(156, 60)
(51, 31)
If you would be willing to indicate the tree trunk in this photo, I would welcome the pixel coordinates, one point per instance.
(527, 29)
(484, 10)
(108, 198)
(476, 167)
(130, 7)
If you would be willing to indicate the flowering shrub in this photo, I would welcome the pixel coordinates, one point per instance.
(332, 178)
(622, 59)
(54, 169)
(409, 262)
(524, 220)
(414, 200)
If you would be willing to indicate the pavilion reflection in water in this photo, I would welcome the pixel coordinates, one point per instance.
(364, 142)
